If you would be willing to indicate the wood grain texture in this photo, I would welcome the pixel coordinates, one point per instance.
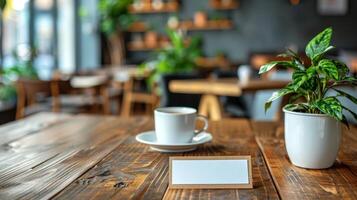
(337, 182)
(232, 138)
(32, 124)
(94, 157)
(133, 171)
(223, 86)
(42, 164)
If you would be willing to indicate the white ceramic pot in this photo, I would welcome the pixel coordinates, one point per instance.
(312, 140)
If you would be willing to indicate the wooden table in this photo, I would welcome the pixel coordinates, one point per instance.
(97, 157)
(337, 182)
(212, 88)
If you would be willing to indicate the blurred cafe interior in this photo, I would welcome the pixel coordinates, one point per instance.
(122, 57)
(103, 99)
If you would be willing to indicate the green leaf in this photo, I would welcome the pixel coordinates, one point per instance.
(277, 95)
(267, 67)
(342, 68)
(2, 4)
(299, 78)
(330, 106)
(290, 54)
(298, 64)
(345, 122)
(346, 81)
(319, 44)
(350, 111)
(296, 97)
(267, 105)
(296, 107)
(319, 56)
(329, 68)
(348, 96)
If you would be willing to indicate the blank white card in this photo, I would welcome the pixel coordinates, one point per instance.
(210, 172)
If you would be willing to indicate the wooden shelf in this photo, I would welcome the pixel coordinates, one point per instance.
(147, 9)
(218, 5)
(138, 27)
(141, 46)
(213, 62)
(210, 25)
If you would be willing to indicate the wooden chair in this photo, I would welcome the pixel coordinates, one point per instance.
(68, 99)
(28, 94)
(111, 91)
(97, 98)
(131, 96)
(99, 95)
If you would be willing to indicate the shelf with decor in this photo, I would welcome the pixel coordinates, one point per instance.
(224, 4)
(144, 46)
(147, 7)
(141, 46)
(152, 41)
(138, 27)
(213, 62)
(220, 24)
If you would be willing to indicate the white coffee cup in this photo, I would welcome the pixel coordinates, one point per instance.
(176, 125)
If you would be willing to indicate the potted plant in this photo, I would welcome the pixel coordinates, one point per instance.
(312, 119)
(178, 57)
(114, 20)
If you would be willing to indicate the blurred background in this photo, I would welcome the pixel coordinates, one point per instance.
(119, 56)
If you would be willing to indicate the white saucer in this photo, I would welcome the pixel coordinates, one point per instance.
(149, 138)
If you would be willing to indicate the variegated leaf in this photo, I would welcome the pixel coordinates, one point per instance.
(329, 68)
(350, 111)
(342, 68)
(299, 78)
(330, 106)
(267, 67)
(277, 95)
(319, 44)
(348, 96)
(295, 107)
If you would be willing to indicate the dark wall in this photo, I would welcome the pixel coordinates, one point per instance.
(266, 25)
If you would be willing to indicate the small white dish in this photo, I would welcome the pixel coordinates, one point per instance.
(149, 138)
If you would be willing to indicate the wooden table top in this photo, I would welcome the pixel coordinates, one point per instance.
(97, 157)
(223, 86)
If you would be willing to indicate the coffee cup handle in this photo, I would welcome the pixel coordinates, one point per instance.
(205, 120)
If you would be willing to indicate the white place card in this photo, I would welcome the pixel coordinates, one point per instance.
(210, 172)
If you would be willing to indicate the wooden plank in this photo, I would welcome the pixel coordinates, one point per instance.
(338, 182)
(133, 171)
(40, 165)
(34, 123)
(205, 87)
(220, 24)
(223, 86)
